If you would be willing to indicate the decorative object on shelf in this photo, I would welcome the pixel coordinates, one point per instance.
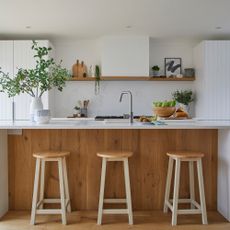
(156, 70)
(183, 98)
(97, 79)
(179, 76)
(79, 70)
(45, 76)
(189, 72)
(164, 108)
(172, 67)
(75, 69)
(91, 71)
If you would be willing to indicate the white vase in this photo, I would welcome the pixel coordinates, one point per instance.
(35, 104)
(186, 108)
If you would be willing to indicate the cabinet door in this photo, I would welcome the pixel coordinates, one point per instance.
(213, 79)
(6, 63)
(217, 71)
(24, 58)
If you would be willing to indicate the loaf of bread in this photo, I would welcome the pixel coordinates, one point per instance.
(181, 113)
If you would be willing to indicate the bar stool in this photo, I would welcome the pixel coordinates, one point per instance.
(172, 204)
(115, 156)
(37, 206)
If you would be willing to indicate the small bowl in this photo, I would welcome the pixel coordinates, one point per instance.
(164, 111)
(42, 116)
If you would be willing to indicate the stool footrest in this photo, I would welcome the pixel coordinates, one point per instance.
(115, 211)
(115, 201)
(48, 211)
(52, 201)
(169, 203)
(182, 201)
(188, 211)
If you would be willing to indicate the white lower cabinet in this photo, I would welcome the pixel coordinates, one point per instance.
(13, 56)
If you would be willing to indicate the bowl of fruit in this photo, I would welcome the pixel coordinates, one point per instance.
(164, 108)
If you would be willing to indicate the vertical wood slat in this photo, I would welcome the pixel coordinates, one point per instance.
(148, 166)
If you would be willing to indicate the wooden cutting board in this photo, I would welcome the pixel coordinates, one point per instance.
(79, 69)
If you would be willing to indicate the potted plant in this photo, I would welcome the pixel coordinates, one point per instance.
(35, 82)
(183, 98)
(97, 79)
(156, 70)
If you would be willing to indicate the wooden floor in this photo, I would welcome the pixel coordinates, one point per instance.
(87, 221)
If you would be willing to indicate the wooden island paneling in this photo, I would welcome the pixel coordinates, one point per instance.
(148, 166)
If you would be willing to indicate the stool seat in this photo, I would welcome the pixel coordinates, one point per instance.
(51, 154)
(115, 154)
(185, 154)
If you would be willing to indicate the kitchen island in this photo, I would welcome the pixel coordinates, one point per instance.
(148, 166)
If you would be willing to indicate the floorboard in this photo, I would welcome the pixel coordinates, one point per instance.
(16, 220)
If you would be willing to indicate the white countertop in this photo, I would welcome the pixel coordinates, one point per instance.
(92, 124)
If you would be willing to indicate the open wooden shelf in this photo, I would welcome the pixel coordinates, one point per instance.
(125, 78)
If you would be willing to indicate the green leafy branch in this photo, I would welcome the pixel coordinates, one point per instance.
(46, 75)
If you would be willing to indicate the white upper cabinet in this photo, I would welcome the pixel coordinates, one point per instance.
(6, 63)
(125, 56)
(13, 56)
(212, 64)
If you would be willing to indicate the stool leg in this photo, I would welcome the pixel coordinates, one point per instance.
(168, 184)
(35, 192)
(66, 185)
(176, 192)
(201, 190)
(128, 191)
(42, 184)
(191, 182)
(102, 189)
(62, 191)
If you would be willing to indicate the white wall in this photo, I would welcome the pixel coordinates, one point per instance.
(160, 50)
(3, 173)
(107, 102)
(125, 56)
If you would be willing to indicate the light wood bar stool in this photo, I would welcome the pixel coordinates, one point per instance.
(37, 206)
(172, 204)
(115, 156)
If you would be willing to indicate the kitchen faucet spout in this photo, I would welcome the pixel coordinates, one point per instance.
(130, 105)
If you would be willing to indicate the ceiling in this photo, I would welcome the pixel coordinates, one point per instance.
(80, 19)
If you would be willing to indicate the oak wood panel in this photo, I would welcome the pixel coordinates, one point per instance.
(148, 165)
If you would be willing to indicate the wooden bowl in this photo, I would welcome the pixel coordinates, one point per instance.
(164, 111)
